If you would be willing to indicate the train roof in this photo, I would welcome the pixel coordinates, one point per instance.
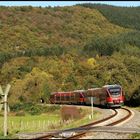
(94, 88)
(79, 90)
(60, 92)
(108, 86)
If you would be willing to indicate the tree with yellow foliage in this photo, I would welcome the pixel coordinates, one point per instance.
(91, 62)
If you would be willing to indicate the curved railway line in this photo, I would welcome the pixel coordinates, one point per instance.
(81, 131)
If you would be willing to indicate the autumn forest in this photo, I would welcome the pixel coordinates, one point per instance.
(49, 49)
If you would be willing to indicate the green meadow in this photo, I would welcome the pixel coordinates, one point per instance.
(43, 122)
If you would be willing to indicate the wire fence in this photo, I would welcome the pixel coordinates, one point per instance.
(34, 125)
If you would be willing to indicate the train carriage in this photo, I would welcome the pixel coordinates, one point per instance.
(61, 97)
(98, 95)
(108, 95)
(81, 96)
(72, 97)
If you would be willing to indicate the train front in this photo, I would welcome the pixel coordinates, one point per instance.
(115, 96)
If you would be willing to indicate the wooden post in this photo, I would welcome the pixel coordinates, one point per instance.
(5, 108)
(5, 115)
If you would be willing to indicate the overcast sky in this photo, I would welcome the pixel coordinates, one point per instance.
(66, 3)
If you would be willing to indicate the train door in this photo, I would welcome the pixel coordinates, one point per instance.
(95, 96)
(67, 98)
(77, 98)
(96, 100)
(57, 99)
(52, 99)
(61, 98)
(88, 95)
(82, 98)
(72, 98)
(102, 95)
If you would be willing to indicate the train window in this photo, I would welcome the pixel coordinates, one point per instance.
(62, 97)
(67, 97)
(115, 91)
(57, 98)
(72, 97)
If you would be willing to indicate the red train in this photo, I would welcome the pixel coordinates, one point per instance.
(108, 95)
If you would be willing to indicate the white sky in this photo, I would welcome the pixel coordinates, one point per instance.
(66, 3)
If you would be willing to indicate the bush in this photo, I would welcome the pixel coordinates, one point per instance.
(20, 106)
(135, 98)
(32, 109)
(70, 113)
(135, 136)
(16, 107)
(47, 109)
(35, 110)
(20, 113)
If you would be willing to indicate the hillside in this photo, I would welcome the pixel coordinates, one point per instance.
(127, 17)
(43, 50)
(30, 31)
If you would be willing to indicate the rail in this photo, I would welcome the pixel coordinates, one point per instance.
(78, 132)
(83, 126)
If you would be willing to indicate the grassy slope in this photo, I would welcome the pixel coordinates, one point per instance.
(46, 27)
(44, 122)
(127, 17)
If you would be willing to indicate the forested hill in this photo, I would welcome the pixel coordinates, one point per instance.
(43, 50)
(41, 31)
(128, 17)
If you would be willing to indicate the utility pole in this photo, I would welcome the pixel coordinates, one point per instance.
(5, 94)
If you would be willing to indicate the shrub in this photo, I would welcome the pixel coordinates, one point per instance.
(135, 98)
(20, 113)
(16, 107)
(35, 110)
(50, 108)
(70, 113)
(20, 106)
(32, 108)
(135, 136)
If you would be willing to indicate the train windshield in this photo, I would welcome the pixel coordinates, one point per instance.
(115, 91)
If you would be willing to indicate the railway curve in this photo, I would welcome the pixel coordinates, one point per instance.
(81, 131)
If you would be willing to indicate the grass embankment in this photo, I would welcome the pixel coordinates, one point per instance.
(86, 112)
(43, 122)
(29, 123)
(136, 135)
(137, 108)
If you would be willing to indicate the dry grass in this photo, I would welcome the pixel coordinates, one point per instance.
(68, 113)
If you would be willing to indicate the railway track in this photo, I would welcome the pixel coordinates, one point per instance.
(79, 135)
(81, 131)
